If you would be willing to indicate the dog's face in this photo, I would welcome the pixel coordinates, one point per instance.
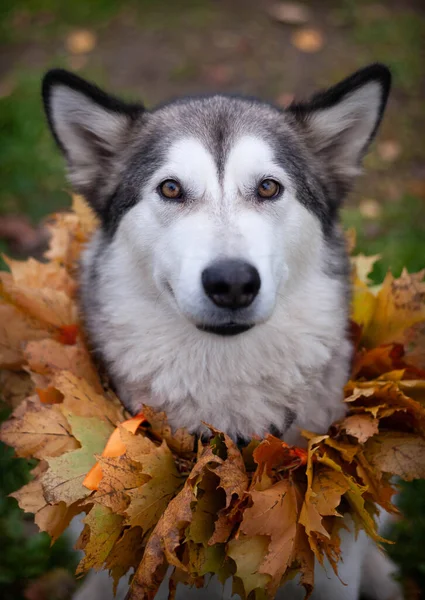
(219, 203)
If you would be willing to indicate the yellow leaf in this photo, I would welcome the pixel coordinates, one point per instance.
(400, 303)
(81, 41)
(38, 430)
(308, 40)
(102, 528)
(249, 552)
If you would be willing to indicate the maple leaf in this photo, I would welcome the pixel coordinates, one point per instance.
(179, 441)
(48, 357)
(126, 554)
(161, 546)
(16, 329)
(362, 427)
(63, 481)
(399, 305)
(397, 453)
(81, 399)
(38, 431)
(102, 528)
(248, 552)
(273, 515)
(149, 500)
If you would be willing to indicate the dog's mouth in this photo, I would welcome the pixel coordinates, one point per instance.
(227, 329)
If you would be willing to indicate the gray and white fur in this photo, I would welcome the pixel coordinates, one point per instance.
(218, 304)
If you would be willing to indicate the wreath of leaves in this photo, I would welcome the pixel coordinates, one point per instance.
(154, 497)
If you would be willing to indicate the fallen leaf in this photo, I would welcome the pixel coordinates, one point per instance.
(388, 150)
(290, 13)
(308, 40)
(370, 208)
(81, 41)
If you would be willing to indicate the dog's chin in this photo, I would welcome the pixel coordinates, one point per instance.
(226, 329)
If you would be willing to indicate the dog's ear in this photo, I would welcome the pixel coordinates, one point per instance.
(89, 126)
(341, 122)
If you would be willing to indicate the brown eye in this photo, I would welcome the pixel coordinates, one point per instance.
(171, 190)
(268, 189)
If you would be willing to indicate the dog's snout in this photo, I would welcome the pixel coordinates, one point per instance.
(231, 283)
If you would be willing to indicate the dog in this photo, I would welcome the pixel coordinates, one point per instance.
(217, 286)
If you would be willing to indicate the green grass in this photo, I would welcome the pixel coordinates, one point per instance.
(398, 236)
(31, 168)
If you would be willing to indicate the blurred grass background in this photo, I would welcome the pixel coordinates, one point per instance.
(157, 49)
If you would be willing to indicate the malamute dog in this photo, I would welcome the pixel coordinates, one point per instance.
(217, 287)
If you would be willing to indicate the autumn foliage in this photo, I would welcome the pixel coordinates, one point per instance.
(154, 497)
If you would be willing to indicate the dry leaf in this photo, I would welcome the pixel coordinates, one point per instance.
(81, 41)
(308, 40)
(388, 150)
(38, 430)
(48, 357)
(370, 208)
(63, 481)
(290, 13)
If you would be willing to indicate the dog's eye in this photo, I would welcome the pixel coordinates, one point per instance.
(268, 189)
(171, 190)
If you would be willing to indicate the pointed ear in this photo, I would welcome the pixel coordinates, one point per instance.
(90, 127)
(341, 122)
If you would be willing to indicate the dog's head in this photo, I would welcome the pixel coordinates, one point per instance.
(220, 203)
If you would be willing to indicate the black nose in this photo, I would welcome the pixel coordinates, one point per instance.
(231, 283)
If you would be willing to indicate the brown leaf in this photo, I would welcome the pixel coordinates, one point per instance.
(53, 307)
(126, 554)
(308, 40)
(397, 453)
(15, 386)
(360, 426)
(274, 513)
(48, 357)
(148, 501)
(161, 547)
(180, 441)
(38, 431)
(16, 329)
(81, 399)
(52, 518)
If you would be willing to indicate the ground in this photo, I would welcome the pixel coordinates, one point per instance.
(158, 49)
